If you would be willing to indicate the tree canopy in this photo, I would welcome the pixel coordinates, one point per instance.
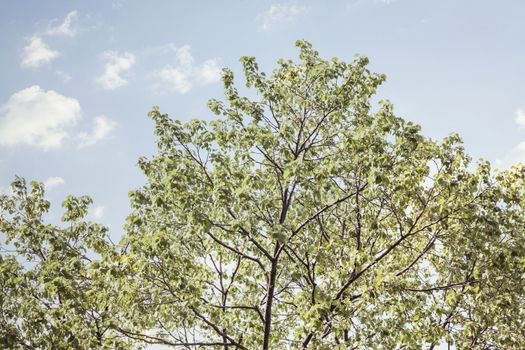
(304, 218)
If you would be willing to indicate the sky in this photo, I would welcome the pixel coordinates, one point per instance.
(79, 77)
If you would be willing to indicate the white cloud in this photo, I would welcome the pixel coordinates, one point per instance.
(36, 53)
(280, 13)
(66, 28)
(115, 69)
(98, 212)
(53, 182)
(185, 74)
(209, 72)
(520, 118)
(63, 75)
(514, 156)
(36, 117)
(103, 126)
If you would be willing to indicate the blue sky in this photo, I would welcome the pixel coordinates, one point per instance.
(78, 77)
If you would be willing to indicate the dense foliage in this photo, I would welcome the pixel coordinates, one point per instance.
(303, 219)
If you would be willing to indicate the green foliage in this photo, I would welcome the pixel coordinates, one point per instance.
(53, 294)
(305, 219)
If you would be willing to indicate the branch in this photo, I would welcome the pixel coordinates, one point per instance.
(425, 249)
(236, 251)
(218, 330)
(319, 212)
(156, 340)
(447, 287)
(250, 238)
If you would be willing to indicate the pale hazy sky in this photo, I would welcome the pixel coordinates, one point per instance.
(78, 77)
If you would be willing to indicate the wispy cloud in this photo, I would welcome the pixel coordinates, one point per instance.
(512, 157)
(66, 28)
(101, 129)
(279, 14)
(36, 117)
(52, 182)
(118, 4)
(519, 119)
(182, 76)
(63, 76)
(517, 153)
(116, 69)
(37, 53)
(98, 212)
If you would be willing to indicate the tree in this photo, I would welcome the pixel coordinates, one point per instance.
(304, 219)
(52, 295)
